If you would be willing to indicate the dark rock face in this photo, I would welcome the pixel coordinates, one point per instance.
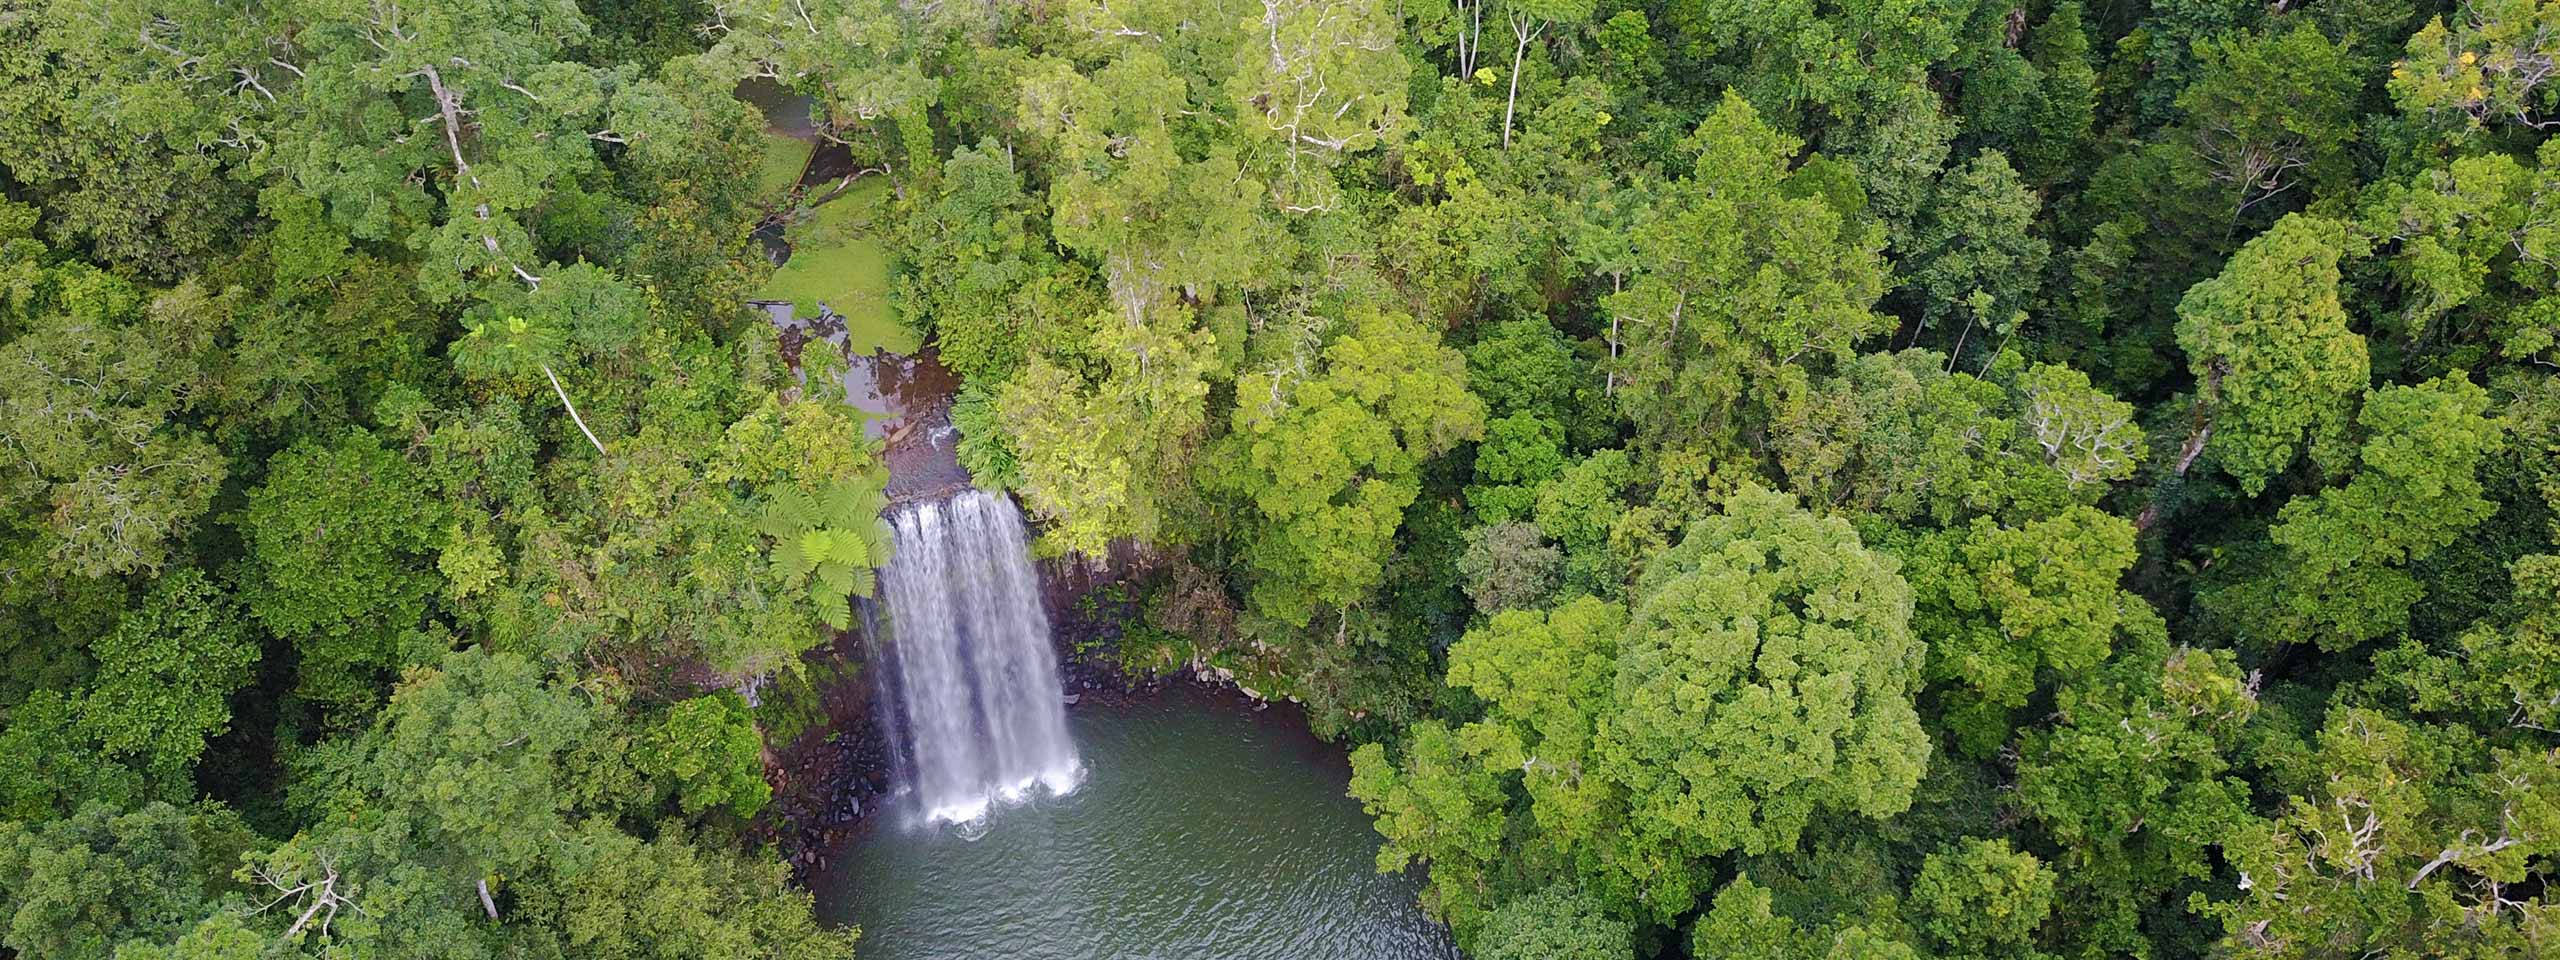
(836, 770)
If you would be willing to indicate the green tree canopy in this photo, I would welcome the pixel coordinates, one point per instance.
(1735, 278)
(1558, 923)
(2002, 606)
(1767, 676)
(92, 400)
(1982, 895)
(81, 886)
(166, 675)
(1329, 462)
(339, 564)
(2269, 345)
(2338, 577)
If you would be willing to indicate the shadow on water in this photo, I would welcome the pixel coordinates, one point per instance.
(786, 114)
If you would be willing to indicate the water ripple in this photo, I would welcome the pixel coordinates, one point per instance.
(1199, 831)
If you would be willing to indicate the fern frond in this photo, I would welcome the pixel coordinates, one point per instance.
(815, 547)
(848, 548)
(788, 555)
(788, 511)
(836, 579)
(883, 542)
(833, 609)
(844, 503)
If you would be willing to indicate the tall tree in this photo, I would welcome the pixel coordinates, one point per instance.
(339, 565)
(2272, 110)
(1558, 923)
(2132, 846)
(1102, 457)
(1766, 678)
(82, 886)
(2001, 606)
(1529, 19)
(1324, 80)
(96, 383)
(1983, 898)
(165, 678)
(2274, 360)
(1161, 221)
(2484, 67)
(1898, 435)
(2409, 841)
(1975, 255)
(2338, 577)
(1736, 278)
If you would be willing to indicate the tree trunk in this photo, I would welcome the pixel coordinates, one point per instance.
(1958, 352)
(1470, 37)
(2188, 451)
(487, 902)
(1519, 28)
(1609, 384)
(582, 428)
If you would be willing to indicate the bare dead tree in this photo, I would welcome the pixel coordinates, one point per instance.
(319, 899)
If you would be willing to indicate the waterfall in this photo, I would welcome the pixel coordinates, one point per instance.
(967, 666)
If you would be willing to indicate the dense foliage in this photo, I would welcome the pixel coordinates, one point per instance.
(1947, 478)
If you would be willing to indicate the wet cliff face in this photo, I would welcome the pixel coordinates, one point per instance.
(835, 771)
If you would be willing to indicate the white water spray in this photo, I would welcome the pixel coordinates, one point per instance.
(975, 679)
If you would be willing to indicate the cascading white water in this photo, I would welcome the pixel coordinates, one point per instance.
(975, 679)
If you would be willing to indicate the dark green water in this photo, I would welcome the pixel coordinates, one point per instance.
(1202, 831)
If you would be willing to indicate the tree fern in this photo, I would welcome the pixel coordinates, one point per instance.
(832, 542)
(788, 511)
(852, 503)
(883, 542)
(832, 608)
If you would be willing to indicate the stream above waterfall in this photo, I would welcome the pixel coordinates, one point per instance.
(1203, 830)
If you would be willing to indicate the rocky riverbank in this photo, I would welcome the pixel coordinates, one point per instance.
(838, 769)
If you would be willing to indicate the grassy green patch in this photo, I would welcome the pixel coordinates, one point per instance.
(837, 258)
(780, 167)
